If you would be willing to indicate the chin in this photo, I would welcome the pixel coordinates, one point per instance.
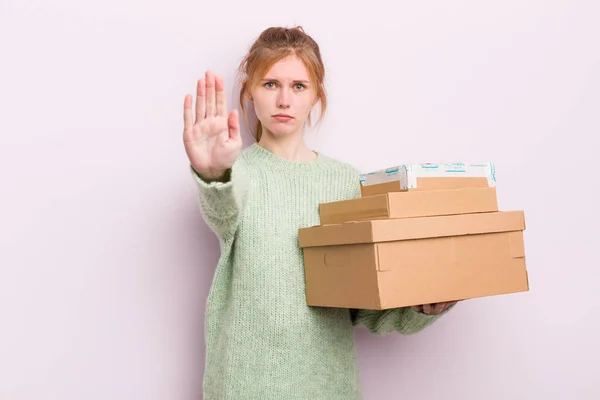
(279, 131)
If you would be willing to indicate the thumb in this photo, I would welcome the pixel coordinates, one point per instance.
(233, 123)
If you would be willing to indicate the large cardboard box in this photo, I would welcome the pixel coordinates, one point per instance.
(410, 204)
(389, 263)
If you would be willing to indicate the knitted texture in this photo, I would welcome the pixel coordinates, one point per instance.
(262, 340)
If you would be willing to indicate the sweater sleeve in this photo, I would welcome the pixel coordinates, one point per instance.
(221, 203)
(403, 320)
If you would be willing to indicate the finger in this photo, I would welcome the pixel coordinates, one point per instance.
(200, 100)
(418, 309)
(187, 112)
(210, 94)
(221, 97)
(438, 308)
(233, 123)
(427, 308)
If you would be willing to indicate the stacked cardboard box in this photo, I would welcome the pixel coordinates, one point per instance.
(418, 234)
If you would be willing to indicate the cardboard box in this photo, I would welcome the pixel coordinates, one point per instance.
(428, 176)
(424, 183)
(393, 263)
(410, 204)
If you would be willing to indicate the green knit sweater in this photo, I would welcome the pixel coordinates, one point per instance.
(262, 341)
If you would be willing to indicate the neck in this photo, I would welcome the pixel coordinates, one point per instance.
(291, 148)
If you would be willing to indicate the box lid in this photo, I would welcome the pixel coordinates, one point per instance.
(410, 228)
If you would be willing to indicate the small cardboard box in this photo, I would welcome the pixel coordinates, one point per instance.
(410, 204)
(382, 264)
(428, 176)
(424, 183)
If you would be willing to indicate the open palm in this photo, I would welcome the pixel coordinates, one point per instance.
(212, 142)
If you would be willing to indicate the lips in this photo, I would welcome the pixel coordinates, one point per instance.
(283, 117)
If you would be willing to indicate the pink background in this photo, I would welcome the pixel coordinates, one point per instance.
(105, 262)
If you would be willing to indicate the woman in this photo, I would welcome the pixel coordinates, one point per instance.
(262, 340)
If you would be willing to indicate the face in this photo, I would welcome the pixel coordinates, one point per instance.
(284, 97)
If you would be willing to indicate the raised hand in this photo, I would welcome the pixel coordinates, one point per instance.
(212, 142)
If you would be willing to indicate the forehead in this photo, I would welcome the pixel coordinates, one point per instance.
(290, 68)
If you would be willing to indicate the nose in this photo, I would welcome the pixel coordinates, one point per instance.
(283, 98)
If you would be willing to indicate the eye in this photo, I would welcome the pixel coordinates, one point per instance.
(299, 86)
(269, 85)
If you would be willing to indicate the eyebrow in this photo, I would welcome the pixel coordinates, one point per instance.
(275, 80)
